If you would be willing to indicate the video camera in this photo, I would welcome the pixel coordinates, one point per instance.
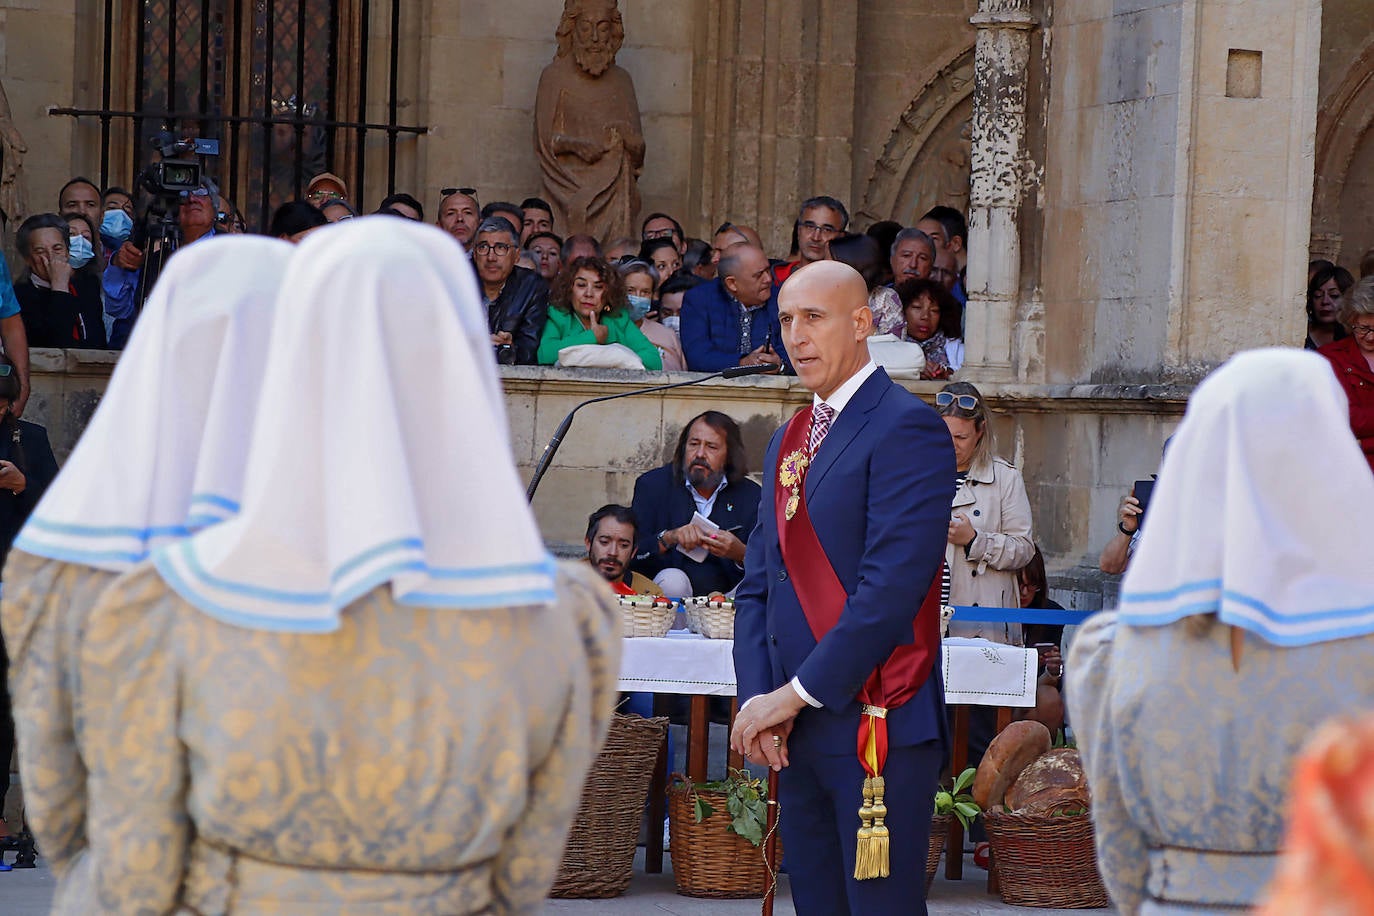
(179, 171)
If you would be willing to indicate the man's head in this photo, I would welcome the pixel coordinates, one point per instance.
(197, 212)
(728, 234)
(913, 255)
(458, 216)
(580, 246)
(663, 226)
(621, 248)
(820, 220)
(743, 269)
(80, 195)
(592, 32)
(611, 532)
(325, 187)
(538, 217)
(953, 228)
(496, 250)
(513, 214)
(118, 199)
(936, 231)
(402, 204)
(823, 309)
(709, 450)
(945, 271)
(547, 250)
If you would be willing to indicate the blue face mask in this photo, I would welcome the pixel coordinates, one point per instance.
(671, 321)
(79, 251)
(115, 228)
(639, 306)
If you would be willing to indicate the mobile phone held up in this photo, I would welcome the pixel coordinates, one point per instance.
(1142, 490)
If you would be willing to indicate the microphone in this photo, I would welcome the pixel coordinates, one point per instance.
(552, 448)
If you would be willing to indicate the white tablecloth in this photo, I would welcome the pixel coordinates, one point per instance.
(976, 671)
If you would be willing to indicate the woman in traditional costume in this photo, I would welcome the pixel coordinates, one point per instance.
(162, 455)
(372, 690)
(1243, 622)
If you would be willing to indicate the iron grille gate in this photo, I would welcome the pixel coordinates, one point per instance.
(274, 81)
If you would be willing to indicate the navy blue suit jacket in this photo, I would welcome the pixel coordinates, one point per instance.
(878, 493)
(709, 328)
(660, 502)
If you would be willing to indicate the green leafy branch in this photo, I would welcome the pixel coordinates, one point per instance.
(957, 800)
(746, 801)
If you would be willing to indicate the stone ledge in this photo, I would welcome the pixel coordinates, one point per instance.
(1165, 398)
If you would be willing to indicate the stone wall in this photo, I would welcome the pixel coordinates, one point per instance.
(1080, 447)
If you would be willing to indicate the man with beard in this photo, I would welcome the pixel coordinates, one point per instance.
(588, 137)
(610, 544)
(707, 476)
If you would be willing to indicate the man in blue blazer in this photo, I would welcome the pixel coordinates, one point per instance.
(733, 320)
(860, 491)
(708, 476)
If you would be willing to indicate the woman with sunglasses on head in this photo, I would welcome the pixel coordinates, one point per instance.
(990, 526)
(27, 466)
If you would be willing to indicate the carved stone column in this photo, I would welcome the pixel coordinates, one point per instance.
(1001, 61)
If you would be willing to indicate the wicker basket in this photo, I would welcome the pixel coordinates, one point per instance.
(643, 616)
(939, 830)
(1046, 861)
(708, 860)
(599, 858)
(712, 622)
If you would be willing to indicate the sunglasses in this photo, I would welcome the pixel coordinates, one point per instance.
(962, 401)
(445, 192)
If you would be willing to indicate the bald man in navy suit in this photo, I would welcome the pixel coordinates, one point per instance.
(839, 577)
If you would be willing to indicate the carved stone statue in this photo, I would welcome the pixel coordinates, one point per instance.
(586, 125)
(13, 206)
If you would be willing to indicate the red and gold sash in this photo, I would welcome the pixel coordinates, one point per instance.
(822, 597)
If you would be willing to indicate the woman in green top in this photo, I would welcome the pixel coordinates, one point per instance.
(587, 306)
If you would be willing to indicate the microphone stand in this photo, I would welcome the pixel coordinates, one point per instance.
(552, 448)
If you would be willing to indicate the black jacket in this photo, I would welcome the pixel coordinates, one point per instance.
(39, 467)
(661, 502)
(56, 318)
(521, 310)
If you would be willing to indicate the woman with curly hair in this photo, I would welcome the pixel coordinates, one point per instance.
(587, 306)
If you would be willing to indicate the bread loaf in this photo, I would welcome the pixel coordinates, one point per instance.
(1008, 754)
(1053, 784)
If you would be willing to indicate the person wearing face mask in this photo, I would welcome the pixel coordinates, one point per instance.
(670, 294)
(59, 306)
(115, 227)
(641, 279)
(83, 245)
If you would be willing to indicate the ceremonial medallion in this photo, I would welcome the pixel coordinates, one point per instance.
(790, 474)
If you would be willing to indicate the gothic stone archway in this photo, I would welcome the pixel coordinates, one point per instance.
(927, 156)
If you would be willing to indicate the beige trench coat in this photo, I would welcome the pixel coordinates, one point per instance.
(993, 497)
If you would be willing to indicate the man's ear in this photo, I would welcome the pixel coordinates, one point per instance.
(731, 286)
(863, 322)
(956, 244)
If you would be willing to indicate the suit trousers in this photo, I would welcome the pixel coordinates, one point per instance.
(819, 797)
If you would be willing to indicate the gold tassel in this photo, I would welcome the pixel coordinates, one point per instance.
(880, 834)
(864, 864)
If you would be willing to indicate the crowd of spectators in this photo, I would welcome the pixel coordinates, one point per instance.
(663, 300)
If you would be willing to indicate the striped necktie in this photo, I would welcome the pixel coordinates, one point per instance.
(821, 416)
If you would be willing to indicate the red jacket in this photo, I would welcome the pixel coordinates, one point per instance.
(1355, 376)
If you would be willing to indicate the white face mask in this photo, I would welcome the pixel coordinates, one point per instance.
(672, 321)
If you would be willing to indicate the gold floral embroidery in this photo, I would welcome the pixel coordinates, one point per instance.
(790, 474)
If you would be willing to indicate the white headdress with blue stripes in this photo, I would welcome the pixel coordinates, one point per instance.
(380, 452)
(1262, 508)
(163, 453)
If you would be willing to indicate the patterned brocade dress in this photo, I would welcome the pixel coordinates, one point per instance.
(44, 614)
(415, 761)
(1190, 761)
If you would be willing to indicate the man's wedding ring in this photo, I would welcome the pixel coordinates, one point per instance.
(777, 741)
